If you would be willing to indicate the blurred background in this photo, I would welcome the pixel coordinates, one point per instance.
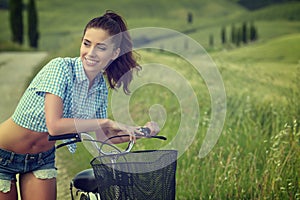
(254, 43)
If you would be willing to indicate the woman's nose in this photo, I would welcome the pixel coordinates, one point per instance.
(91, 51)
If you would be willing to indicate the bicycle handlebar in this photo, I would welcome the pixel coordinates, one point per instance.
(75, 137)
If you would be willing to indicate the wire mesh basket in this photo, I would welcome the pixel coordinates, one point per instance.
(136, 175)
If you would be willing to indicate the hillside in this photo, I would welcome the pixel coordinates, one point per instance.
(265, 71)
(62, 21)
(61, 24)
(61, 28)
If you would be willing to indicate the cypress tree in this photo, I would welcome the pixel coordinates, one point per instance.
(233, 34)
(253, 32)
(211, 40)
(239, 38)
(223, 35)
(190, 18)
(16, 20)
(244, 33)
(33, 33)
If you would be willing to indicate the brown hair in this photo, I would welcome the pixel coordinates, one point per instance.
(119, 71)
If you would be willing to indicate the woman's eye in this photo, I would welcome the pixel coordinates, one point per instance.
(102, 48)
(86, 43)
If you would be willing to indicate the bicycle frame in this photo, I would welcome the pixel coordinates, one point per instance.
(87, 175)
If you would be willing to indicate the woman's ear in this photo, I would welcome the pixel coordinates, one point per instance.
(116, 54)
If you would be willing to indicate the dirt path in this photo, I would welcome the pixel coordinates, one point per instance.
(15, 69)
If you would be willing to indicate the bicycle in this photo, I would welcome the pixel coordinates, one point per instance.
(122, 174)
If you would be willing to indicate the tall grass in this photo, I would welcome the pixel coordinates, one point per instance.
(257, 157)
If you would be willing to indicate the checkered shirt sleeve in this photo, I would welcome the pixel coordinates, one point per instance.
(54, 78)
(30, 110)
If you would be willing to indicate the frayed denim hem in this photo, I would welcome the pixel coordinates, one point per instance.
(5, 185)
(45, 173)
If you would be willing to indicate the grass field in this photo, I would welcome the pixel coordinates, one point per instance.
(258, 153)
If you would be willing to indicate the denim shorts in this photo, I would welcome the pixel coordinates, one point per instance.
(42, 165)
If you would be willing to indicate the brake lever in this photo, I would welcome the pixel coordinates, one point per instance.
(144, 130)
(147, 133)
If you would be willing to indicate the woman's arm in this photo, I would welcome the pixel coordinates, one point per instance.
(58, 125)
(104, 128)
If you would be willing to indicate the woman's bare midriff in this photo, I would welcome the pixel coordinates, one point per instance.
(21, 140)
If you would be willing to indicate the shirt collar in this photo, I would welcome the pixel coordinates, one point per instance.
(79, 71)
(99, 82)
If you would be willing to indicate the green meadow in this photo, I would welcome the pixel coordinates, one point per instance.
(257, 155)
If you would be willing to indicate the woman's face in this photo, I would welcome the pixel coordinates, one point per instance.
(96, 51)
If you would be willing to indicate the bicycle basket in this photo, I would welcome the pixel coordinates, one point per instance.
(136, 175)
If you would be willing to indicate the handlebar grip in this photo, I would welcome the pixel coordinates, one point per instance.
(145, 130)
(63, 137)
(159, 137)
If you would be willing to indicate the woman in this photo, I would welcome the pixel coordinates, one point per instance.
(68, 95)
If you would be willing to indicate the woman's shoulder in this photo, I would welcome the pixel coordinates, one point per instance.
(68, 61)
(65, 64)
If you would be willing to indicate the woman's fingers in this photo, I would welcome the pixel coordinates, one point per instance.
(132, 131)
(153, 126)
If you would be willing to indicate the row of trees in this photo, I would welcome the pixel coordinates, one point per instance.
(16, 22)
(238, 35)
(244, 34)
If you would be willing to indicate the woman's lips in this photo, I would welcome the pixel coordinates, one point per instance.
(91, 62)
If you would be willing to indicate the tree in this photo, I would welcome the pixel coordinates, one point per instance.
(33, 34)
(239, 38)
(223, 35)
(211, 40)
(253, 32)
(244, 33)
(233, 34)
(190, 18)
(16, 20)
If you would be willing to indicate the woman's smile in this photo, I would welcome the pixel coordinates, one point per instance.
(91, 62)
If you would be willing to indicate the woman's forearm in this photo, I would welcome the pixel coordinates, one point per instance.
(58, 125)
(70, 125)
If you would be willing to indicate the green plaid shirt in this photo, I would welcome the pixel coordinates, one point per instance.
(64, 77)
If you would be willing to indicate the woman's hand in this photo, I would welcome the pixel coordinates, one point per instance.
(114, 129)
(154, 128)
